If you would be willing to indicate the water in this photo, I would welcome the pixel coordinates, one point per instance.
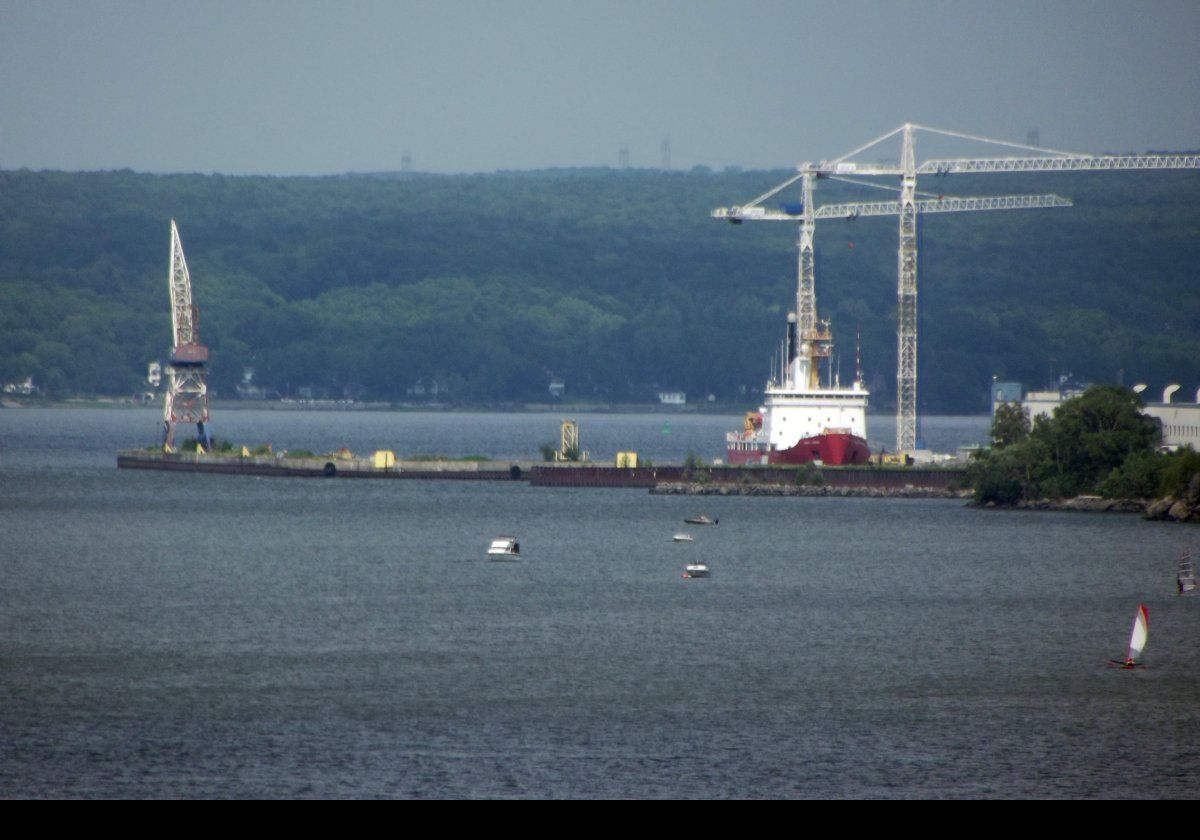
(195, 635)
(38, 438)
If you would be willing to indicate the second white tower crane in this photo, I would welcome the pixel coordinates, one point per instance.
(1043, 160)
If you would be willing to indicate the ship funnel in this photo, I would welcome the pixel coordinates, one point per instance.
(1169, 392)
(792, 345)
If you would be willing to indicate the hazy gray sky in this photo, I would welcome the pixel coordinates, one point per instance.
(326, 87)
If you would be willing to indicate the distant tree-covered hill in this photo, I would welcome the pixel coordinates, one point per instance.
(616, 282)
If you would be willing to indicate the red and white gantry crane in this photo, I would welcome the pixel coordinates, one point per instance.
(187, 367)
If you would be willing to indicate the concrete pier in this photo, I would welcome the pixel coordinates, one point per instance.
(542, 474)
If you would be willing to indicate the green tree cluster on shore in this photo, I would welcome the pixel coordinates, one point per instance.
(1098, 443)
(487, 287)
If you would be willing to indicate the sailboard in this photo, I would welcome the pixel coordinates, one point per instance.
(1185, 581)
(1137, 639)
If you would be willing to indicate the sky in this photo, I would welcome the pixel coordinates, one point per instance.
(286, 88)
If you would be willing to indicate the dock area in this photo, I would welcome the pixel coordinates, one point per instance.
(543, 474)
(319, 467)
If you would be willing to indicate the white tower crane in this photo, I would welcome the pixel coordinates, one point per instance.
(1046, 160)
(187, 368)
(809, 329)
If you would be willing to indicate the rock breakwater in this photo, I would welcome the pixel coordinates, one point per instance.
(680, 488)
(1169, 509)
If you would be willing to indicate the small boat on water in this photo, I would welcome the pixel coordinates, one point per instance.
(682, 537)
(1185, 580)
(1137, 640)
(504, 548)
(701, 520)
(695, 570)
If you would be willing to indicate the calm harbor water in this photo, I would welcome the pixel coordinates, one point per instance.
(195, 635)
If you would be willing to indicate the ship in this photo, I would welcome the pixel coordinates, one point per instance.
(803, 420)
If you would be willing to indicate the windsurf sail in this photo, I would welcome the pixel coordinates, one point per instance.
(1137, 640)
(1185, 582)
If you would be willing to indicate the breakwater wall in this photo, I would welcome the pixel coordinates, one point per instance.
(825, 491)
(1169, 509)
(768, 480)
(283, 466)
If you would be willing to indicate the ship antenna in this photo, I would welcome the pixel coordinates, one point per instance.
(858, 354)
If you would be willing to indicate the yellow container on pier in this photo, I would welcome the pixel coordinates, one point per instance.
(385, 459)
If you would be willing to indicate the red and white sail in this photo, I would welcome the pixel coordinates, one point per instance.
(1137, 640)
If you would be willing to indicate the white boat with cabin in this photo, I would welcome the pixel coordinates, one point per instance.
(504, 548)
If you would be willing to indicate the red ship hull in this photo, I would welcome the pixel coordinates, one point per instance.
(834, 448)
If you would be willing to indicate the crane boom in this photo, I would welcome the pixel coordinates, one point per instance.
(945, 204)
(1073, 163)
(183, 314)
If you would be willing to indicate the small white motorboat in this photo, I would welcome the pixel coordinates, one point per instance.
(701, 520)
(504, 548)
(682, 537)
(695, 570)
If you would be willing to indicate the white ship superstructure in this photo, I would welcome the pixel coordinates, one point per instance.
(802, 420)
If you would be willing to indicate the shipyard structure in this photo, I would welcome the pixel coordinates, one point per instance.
(1180, 421)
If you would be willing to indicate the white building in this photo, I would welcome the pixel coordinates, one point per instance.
(1043, 403)
(1180, 421)
(24, 389)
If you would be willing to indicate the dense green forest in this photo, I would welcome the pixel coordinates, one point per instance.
(616, 282)
(1099, 442)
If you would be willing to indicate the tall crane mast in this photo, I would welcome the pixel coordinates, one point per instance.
(809, 329)
(187, 367)
(1046, 160)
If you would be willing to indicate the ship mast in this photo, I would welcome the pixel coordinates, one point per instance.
(814, 339)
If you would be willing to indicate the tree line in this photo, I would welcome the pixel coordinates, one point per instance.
(617, 283)
(1096, 444)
